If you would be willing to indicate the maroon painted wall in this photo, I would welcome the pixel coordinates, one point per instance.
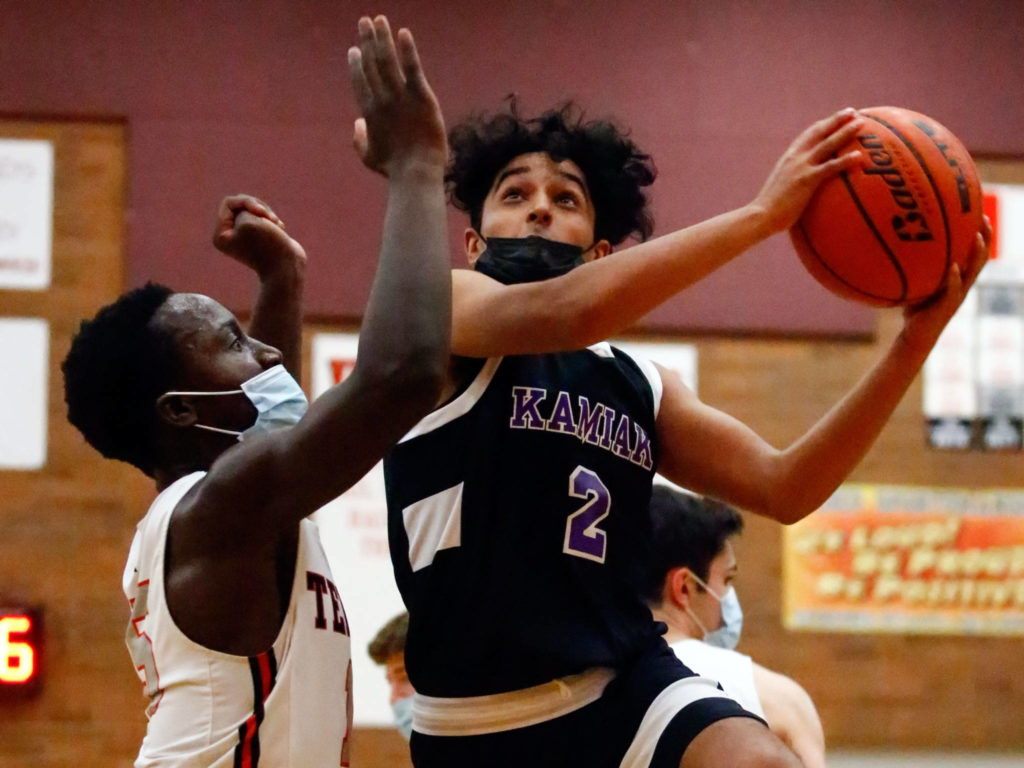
(223, 96)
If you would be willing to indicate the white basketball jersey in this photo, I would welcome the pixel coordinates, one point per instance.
(289, 707)
(733, 670)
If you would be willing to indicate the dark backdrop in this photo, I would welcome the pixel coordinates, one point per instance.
(222, 96)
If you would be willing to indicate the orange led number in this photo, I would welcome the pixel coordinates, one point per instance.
(17, 659)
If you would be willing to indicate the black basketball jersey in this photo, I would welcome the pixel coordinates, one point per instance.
(518, 522)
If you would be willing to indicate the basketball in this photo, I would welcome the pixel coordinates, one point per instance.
(885, 232)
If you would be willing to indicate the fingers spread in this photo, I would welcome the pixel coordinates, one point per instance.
(836, 140)
(843, 162)
(409, 59)
(387, 58)
(359, 138)
(368, 51)
(357, 78)
(815, 133)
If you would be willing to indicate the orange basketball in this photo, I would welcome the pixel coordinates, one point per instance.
(886, 232)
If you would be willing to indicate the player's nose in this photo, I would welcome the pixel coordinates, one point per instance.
(268, 356)
(540, 214)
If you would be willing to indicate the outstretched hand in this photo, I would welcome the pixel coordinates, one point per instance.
(923, 322)
(401, 118)
(808, 161)
(249, 231)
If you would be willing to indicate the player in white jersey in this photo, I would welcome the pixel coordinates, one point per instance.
(237, 629)
(689, 587)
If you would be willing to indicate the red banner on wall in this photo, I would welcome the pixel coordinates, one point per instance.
(910, 560)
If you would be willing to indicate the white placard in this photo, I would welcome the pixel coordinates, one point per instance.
(951, 398)
(681, 358)
(997, 368)
(26, 213)
(1008, 266)
(948, 364)
(1001, 334)
(961, 330)
(353, 528)
(24, 349)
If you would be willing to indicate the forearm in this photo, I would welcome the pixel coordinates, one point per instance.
(277, 312)
(814, 466)
(603, 297)
(626, 286)
(406, 326)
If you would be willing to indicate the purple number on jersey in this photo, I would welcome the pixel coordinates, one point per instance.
(582, 536)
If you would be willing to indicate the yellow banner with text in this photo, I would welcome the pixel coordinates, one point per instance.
(907, 559)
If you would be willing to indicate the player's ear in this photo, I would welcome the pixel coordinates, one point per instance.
(599, 250)
(176, 410)
(678, 586)
(475, 245)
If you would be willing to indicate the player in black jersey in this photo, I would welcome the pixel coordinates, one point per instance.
(517, 509)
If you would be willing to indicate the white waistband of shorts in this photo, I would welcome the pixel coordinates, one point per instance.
(475, 715)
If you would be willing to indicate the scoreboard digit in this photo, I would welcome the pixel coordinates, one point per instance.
(21, 636)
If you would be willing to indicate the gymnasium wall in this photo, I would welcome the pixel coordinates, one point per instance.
(222, 96)
(179, 103)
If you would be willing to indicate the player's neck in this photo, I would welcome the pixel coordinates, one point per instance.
(675, 632)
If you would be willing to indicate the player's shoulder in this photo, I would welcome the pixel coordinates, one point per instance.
(698, 648)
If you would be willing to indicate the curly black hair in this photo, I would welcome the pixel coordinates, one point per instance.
(118, 365)
(688, 531)
(616, 170)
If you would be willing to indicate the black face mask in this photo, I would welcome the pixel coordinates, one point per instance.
(527, 259)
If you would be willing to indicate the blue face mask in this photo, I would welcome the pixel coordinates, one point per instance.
(728, 635)
(277, 397)
(511, 260)
(402, 710)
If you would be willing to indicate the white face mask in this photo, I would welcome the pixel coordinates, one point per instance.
(277, 397)
(728, 635)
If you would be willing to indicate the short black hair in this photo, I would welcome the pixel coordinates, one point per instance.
(688, 531)
(616, 170)
(118, 365)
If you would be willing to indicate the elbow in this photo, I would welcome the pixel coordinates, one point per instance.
(789, 487)
(788, 508)
(412, 381)
(418, 389)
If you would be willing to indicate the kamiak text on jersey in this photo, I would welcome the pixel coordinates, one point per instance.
(593, 424)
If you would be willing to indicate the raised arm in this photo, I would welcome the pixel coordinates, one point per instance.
(712, 453)
(603, 297)
(250, 232)
(229, 538)
(404, 340)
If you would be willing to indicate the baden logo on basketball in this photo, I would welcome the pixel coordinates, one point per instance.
(911, 226)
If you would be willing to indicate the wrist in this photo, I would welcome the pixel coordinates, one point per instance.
(915, 341)
(420, 164)
(759, 221)
(289, 266)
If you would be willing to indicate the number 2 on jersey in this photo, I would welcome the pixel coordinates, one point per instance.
(582, 536)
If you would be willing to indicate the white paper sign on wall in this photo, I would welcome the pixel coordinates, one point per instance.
(24, 349)
(26, 213)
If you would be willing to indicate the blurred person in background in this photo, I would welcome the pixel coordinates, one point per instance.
(388, 650)
(689, 587)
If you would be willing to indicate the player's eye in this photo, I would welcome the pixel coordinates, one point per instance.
(236, 344)
(567, 198)
(512, 193)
